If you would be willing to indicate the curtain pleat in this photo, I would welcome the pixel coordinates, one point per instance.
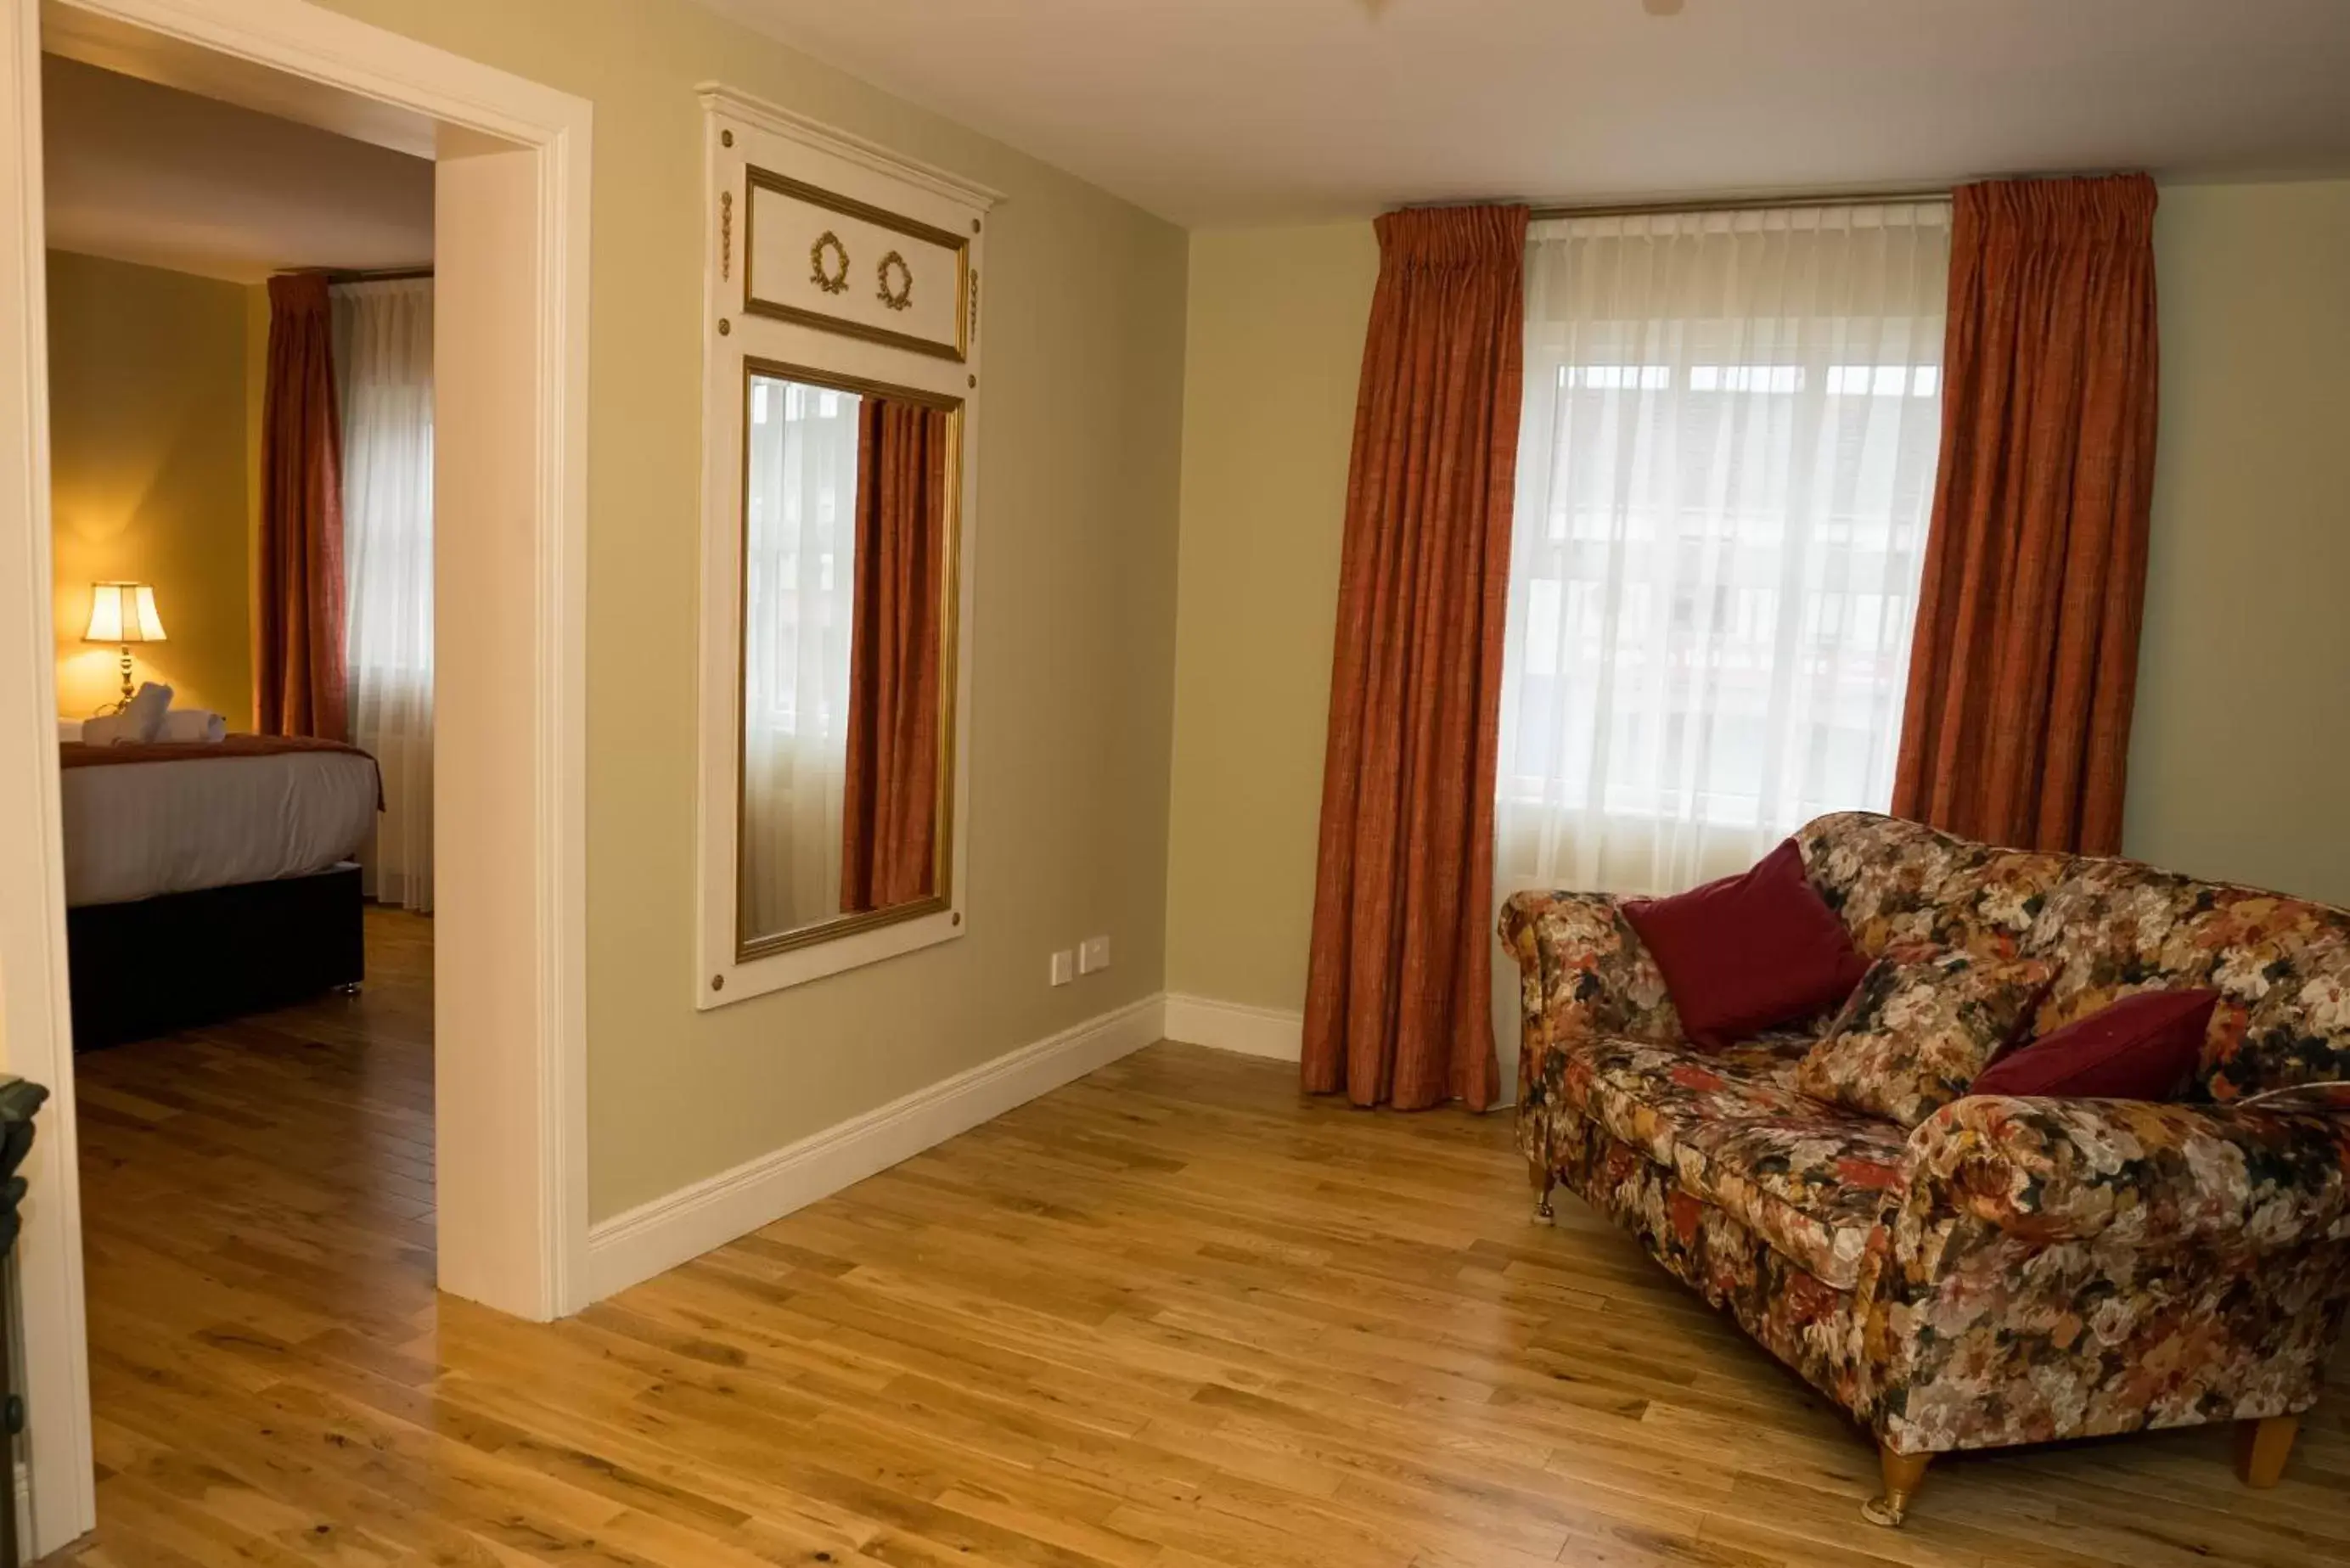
(299, 682)
(383, 356)
(2024, 665)
(1400, 970)
(890, 801)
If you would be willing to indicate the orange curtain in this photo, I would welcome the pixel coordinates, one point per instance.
(299, 668)
(889, 813)
(2025, 659)
(1398, 1005)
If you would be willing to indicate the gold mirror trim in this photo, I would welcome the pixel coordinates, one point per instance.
(757, 180)
(942, 899)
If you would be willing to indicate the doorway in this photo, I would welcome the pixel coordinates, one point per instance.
(511, 214)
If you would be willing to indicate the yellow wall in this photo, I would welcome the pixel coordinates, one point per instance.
(147, 442)
(1079, 448)
(2240, 755)
(1274, 348)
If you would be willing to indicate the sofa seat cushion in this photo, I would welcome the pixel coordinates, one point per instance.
(1806, 1322)
(1810, 1179)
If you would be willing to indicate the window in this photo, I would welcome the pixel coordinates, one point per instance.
(1724, 478)
(383, 365)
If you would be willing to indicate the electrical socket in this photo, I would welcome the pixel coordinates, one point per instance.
(1093, 953)
(1065, 967)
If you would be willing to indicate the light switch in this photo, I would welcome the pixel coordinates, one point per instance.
(1065, 967)
(1093, 954)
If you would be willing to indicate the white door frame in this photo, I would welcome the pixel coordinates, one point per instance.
(521, 1171)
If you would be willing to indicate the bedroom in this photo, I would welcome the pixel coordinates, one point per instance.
(241, 395)
(987, 1252)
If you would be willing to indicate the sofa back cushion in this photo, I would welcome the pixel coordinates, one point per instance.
(2112, 928)
(2281, 966)
(1899, 884)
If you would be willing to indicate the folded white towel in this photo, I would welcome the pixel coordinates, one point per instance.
(69, 729)
(143, 714)
(106, 730)
(193, 724)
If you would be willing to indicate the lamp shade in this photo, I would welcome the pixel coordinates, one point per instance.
(122, 612)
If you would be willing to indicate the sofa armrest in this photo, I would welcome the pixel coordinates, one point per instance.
(2135, 1172)
(1583, 971)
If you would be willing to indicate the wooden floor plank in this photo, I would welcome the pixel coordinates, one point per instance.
(1173, 1315)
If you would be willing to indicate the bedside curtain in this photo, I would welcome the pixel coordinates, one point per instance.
(383, 359)
(888, 803)
(1399, 977)
(298, 671)
(2024, 665)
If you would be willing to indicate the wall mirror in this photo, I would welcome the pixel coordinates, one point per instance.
(840, 412)
(849, 653)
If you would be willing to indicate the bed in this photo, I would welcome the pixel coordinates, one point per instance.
(205, 880)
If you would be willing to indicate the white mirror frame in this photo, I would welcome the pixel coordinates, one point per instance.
(740, 133)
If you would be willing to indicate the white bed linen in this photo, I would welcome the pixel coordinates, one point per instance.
(135, 830)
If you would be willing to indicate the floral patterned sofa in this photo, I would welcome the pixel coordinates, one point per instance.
(2014, 1271)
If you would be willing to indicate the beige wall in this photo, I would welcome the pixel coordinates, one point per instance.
(2240, 749)
(1075, 620)
(147, 442)
(1275, 349)
(2238, 753)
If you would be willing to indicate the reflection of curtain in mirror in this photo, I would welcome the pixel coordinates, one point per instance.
(799, 583)
(383, 361)
(889, 819)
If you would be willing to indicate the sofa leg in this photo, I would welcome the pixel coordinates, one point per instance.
(1903, 1474)
(2263, 1447)
(1539, 1177)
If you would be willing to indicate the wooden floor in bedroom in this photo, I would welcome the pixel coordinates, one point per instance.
(1172, 1315)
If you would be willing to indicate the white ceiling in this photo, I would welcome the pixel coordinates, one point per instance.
(1232, 112)
(145, 173)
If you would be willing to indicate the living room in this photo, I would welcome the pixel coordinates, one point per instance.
(1596, 821)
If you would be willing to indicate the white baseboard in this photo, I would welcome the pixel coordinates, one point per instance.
(1232, 1026)
(667, 1232)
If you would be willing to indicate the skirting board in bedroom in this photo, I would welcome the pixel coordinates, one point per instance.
(656, 1236)
(1234, 1026)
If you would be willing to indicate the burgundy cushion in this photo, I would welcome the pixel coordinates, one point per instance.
(1748, 953)
(2142, 1048)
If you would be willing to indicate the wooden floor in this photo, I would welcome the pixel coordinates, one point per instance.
(1171, 1316)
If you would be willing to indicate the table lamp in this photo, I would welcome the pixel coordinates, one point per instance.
(122, 614)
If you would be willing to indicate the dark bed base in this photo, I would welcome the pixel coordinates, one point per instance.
(184, 959)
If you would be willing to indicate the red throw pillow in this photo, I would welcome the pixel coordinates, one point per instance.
(2144, 1047)
(1748, 953)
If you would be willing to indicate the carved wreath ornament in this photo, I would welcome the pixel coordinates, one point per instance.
(895, 293)
(829, 262)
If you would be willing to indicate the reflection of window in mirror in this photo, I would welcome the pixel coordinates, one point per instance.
(799, 571)
(844, 510)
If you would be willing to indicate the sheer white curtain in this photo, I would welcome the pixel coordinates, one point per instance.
(800, 533)
(1725, 473)
(384, 367)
